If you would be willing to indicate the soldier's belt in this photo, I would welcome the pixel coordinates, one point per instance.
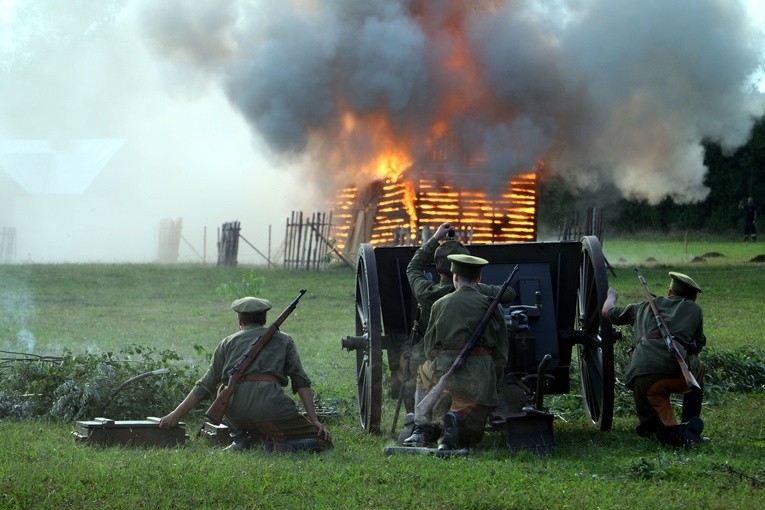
(262, 377)
(476, 350)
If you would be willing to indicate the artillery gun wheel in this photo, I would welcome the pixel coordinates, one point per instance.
(369, 327)
(596, 350)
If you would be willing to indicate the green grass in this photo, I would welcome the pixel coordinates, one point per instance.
(95, 307)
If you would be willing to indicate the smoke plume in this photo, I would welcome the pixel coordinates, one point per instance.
(603, 92)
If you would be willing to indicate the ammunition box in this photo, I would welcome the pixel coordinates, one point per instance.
(107, 432)
(215, 434)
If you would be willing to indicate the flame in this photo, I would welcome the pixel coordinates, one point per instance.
(391, 165)
(411, 165)
(408, 208)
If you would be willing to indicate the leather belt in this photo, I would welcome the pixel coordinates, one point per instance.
(475, 350)
(261, 377)
(654, 335)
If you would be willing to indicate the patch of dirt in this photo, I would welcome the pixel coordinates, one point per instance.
(712, 254)
(698, 259)
(650, 259)
(758, 258)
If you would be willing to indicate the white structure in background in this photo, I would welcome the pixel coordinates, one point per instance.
(66, 167)
(49, 172)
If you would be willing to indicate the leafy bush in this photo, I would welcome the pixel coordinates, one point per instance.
(740, 370)
(136, 382)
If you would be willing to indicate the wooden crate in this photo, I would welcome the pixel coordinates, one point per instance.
(215, 434)
(107, 432)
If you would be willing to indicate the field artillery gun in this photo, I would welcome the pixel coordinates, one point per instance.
(554, 325)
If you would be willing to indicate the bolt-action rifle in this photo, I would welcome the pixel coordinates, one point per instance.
(669, 340)
(218, 407)
(407, 372)
(426, 404)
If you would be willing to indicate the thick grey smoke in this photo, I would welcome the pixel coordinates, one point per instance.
(604, 91)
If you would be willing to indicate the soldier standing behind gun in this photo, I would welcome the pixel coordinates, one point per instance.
(427, 292)
(471, 393)
(260, 412)
(653, 373)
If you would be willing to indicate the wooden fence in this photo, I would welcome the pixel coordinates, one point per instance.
(228, 244)
(307, 243)
(588, 224)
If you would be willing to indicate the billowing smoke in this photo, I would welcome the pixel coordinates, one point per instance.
(603, 91)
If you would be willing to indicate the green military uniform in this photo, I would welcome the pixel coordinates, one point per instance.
(685, 321)
(653, 372)
(426, 292)
(454, 319)
(471, 392)
(256, 400)
(259, 406)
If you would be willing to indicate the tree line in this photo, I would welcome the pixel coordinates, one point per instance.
(731, 178)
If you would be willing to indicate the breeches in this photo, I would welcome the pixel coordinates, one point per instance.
(475, 414)
(294, 427)
(652, 397)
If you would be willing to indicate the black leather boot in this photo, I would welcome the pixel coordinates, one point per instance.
(692, 404)
(421, 435)
(240, 440)
(408, 428)
(450, 439)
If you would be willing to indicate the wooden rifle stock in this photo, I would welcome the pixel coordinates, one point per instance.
(669, 340)
(428, 401)
(218, 408)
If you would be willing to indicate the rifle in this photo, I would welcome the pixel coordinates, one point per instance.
(218, 408)
(669, 340)
(407, 374)
(426, 404)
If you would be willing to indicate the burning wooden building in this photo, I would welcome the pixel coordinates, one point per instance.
(403, 211)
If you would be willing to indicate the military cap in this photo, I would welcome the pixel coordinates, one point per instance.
(442, 253)
(683, 283)
(251, 305)
(467, 265)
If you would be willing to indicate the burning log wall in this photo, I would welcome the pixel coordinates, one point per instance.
(391, 212)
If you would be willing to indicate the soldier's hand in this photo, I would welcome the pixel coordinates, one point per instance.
(169, 422)
(324, 432)
(443, 228)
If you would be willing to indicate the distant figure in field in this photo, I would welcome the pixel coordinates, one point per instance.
(750, 219)
(653, 374)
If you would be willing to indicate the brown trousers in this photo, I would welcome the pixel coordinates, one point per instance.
(652, 394)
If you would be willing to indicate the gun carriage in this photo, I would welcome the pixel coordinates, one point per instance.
(560, 288)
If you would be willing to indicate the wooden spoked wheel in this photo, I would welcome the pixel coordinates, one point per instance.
(596, 347)
(368, 328)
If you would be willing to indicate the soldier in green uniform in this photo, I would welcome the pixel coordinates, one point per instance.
(653, 373)
(426, 292)
(471, 393)
(259, 411)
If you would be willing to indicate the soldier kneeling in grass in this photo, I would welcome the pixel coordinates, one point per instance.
(259, 411)
(654, 373)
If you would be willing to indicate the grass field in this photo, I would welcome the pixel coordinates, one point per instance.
(102, 307)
